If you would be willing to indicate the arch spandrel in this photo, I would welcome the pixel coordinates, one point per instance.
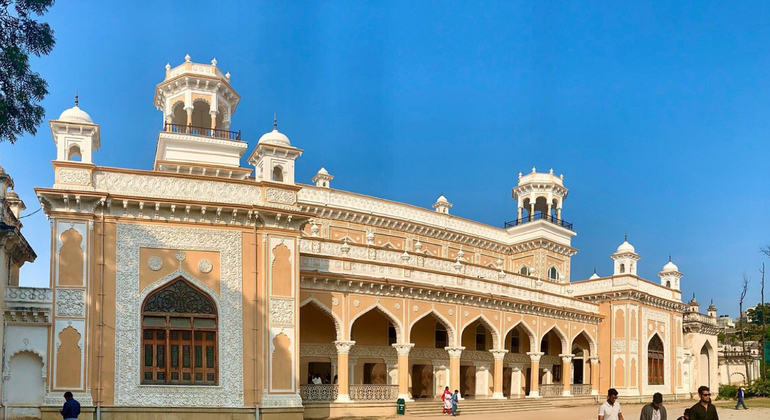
(527, 328)
(554, 326)
(320, 304)
(375, 305)
(496, 340)
(441, 313)
(592, 345)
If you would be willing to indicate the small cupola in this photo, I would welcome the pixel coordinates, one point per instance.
(670, 275)
(712, 309)
(75, 135)
(625, 259)
(274, 157)
(322, 178)
(442, 205)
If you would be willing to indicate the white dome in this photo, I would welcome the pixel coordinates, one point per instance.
(670, 267)
(322, 171)
(594, 276)
(625, 247)
(442, 199)
(275, 137)
(75, 115)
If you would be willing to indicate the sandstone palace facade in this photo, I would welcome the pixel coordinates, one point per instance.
(202, 286)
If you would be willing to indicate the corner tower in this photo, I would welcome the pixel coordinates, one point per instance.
(197, 103)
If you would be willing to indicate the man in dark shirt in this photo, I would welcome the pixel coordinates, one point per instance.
(71, 408)
(704, 410)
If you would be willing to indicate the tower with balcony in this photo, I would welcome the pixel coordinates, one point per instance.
(542, 238)
(198, 103)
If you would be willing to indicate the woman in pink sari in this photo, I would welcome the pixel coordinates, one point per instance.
(446, 397)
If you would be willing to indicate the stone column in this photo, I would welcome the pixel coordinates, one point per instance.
(497, 389)
(534, 357)
(594, 375)
(343, 389)
(403, 369)
(213, 121)
(189, 114)
(454, 367)
(566, 378)
(531, 210)
(520, 208)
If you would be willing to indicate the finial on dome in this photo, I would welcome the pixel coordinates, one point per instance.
(168, 67)
(534, 170)
(594, 269)
(228, 75)
(187, 58)
(214, 62)
(76, 97)
(625, 236)
(519, 174)
(669, 257)
(275, 121)
(551, 171)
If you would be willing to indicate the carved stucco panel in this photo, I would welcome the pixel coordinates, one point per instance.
(128, 392)
(71, 302)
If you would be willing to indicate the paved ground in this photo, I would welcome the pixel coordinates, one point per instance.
(630, 412)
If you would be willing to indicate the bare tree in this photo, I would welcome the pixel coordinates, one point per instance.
(746, 280)
(764, 322)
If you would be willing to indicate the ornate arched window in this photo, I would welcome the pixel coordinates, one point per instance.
(481, 338)
(515, 341)
(525, 270)
(622, 268)
(553, 274)
(655, 359)
(179, 336)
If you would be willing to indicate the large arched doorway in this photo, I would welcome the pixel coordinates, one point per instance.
(655, 361)
(372, 329)
(704, 365)
(518, 342)
(429, 376)
(317, 329)
(476, 363)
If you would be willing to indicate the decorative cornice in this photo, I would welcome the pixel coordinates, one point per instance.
(637, 296)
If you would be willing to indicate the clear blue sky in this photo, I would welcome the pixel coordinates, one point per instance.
(656, 114)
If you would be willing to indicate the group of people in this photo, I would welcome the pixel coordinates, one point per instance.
(316, 379)
(450, 401)
(702, 410)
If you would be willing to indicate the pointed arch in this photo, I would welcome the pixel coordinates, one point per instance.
(336, 319)
(488, 324)
(533, 344)
(211, 294)
(565, 348)
(392, 318)
(592, 347)
(450, 329)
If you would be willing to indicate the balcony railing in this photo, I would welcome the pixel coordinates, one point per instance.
(373, 392)
(318, 392)
(539, 216)
(551, 390)
(28, 295)
(580, 389)
(202, 131)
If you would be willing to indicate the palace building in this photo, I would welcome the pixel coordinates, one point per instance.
(201, 286)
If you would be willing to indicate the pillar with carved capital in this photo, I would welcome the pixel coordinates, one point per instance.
(534, 357)
(594, 375)
(566, 378)
(497, 389)
(343, 389)
(189, 110)
(454, 366)
(403, 369)
(213, 120)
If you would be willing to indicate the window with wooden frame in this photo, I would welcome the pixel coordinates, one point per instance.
(440, 336)
(179, 336)
(655, 370)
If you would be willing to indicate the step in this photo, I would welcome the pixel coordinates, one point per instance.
(433, 407)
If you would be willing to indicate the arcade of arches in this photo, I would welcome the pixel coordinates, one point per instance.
(414, 349)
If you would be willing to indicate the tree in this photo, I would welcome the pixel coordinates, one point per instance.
(21, 89)
(741, 327)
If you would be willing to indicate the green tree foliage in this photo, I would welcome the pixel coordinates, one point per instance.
(760, 313)
(21, 89)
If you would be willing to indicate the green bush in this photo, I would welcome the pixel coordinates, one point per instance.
(760, 388)
(727, 392)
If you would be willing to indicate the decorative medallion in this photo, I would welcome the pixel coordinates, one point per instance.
(397, 306)
(356, 303)
(415, 308)
(650, 328)
(335, 301)
(155, 263)
(205, 266)
(465, 313)
(509, 319)
(496, 317)
(180, 256)
(450, 312)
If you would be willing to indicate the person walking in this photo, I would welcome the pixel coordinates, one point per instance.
(455, 398)
(610, 409)
(446, 399)
(71, 408)
(686, 415)
(739, 395)
(654, 410)
(703, 409)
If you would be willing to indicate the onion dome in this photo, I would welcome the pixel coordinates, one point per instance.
(594, 276)
(693, 302)
(712, 307)
(275, 137)
(75, 114)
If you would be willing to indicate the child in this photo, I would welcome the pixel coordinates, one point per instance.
(455, 397)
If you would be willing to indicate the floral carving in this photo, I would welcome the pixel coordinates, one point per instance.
(71, 302)
(155, 263)
(276, 195)
(73, 176)
(281, 311)
(179, 297)
(205, 266)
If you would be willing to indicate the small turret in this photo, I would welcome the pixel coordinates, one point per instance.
(442, 205)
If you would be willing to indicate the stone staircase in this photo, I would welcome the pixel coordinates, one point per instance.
(432, 407)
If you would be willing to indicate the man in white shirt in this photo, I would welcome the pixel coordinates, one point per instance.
(610, 410)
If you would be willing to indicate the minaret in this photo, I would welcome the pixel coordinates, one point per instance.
(712, 309)
(274, 157)
(625, 259)
(670, 275)
(693, 305)
(75, 135)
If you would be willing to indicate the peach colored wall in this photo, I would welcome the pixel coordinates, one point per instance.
(315, 325)
(108, 330)
(171, 264)
(71, 258)
(249, 272)
(423, 332)
(371, 329)
(68, 358)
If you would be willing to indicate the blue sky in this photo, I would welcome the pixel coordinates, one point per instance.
(656, 113)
